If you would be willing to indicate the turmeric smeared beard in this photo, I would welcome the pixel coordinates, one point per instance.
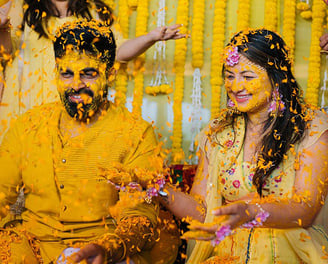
(82, 110)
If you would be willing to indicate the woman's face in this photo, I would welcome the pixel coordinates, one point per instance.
(248, 86)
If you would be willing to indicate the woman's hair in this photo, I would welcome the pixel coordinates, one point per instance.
(92, 37)
(38, 12)
(281, 131)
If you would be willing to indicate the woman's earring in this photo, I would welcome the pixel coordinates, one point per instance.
(230, 103)
(276, 101)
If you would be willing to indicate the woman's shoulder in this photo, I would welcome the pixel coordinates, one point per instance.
(316, 125)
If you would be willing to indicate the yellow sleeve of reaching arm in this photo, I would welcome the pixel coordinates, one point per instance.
(146, 154)
(119, 39)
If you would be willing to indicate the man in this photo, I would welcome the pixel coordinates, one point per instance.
(71, 158)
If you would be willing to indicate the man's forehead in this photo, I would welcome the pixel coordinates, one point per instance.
(78, 61)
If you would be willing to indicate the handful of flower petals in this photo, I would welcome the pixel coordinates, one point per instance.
(224, 230)
(147, 183)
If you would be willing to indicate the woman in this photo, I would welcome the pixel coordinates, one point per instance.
(29, 78)
(262, 177)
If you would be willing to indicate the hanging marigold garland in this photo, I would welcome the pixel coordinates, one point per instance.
(123, 18)
(197, 33)
(133, 4)
(179, 65)
(318, 16)
(305, 9)
(270, 15)
(288, 27)
(217, 51)
(122, 77)
(121, 82)
(243, 14)
(197, 62)
(141, 29)
(110, 3)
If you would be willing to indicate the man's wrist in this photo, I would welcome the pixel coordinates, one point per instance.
(164, 195)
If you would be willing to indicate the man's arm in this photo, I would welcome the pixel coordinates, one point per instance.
(10, 165)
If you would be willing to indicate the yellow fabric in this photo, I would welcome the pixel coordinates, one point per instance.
(30, 78)
(233, 180)
(66, 199)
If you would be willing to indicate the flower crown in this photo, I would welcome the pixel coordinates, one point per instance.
(232, 56)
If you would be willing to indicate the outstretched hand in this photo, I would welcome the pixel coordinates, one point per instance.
(166, 33)
(4, 11)
(324, 42)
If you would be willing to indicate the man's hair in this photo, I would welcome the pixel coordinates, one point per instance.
(92, 37)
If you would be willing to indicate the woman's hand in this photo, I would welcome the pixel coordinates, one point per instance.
(238, 213)
(91, 254)
(166, 33)
(324, 42)
(4, 11)
(233, 215)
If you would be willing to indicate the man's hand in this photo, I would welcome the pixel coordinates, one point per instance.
(324, 42)
(4, 11)
(91, 254)
(166, 33)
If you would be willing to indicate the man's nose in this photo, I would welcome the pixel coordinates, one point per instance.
(77, 82)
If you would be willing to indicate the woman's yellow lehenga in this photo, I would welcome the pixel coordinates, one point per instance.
(230, 178)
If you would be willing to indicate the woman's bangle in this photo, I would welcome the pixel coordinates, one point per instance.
(259, 219)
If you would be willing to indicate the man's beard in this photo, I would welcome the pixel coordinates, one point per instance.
(81, 111)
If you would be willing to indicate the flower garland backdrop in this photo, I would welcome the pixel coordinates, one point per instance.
(243, 14)
(179, 66)
(289, 26)
(271, 16)
(141, 29)
(318, 15)
(217, 51)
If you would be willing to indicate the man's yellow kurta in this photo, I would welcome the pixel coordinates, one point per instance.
(66, 198)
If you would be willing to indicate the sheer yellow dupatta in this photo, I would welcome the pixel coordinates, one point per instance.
(221, 157)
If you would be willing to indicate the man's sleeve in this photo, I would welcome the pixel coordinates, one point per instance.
(10, 166)
(137, 224)
(146, 154)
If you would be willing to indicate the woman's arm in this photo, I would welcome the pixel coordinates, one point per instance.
(183, 205)
(134, 47)
(310, 191)
(5, 27)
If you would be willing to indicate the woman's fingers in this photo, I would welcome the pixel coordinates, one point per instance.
(198, 235)
(324, 42)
